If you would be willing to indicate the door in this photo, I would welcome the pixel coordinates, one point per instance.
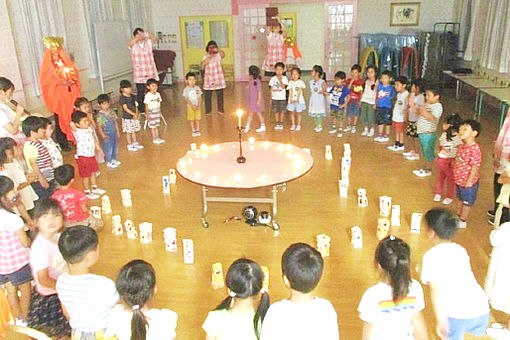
(197, 31)
(340, 39)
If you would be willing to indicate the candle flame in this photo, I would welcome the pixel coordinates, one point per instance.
(239, 113)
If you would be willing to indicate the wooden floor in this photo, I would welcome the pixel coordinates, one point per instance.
(309, 206)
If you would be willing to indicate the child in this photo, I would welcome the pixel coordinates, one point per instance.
(318, 89)
(83, 104)
(466, 168)
(238, 317)
(426, 126)
(368, 102)
(10, 116)
(152, 103)
(14, 257)
(14, 170)
(49, 143)
(86, 147)
(37, 157)
(45, 312)
(73, 202)
(255, 99)
(385, 94)
(193, 97)
(355, 85)
(498, 279)
(296, 104)
(448, 144)
(416, 101)
(86, 298)
(460, 304)
(302, 316)
(339, 99)
(399, 113)
(108, 130)
(278, 84)
(392, 309)
(130, 115)
(136, 285)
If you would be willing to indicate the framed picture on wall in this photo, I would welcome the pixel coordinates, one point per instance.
(405, 14)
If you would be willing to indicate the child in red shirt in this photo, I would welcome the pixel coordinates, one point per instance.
(355, 84)
(466, 168)
(73, 202)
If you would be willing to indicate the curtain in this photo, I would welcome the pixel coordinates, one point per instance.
(494, 47)
(135, 13)
(95, 11)
(465, 20)
(32, 20)
(468, 50)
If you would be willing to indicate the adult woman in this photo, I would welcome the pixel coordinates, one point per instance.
(214, 79)
(142, 58)
(10, 115)
(60, 86)
(274, 48)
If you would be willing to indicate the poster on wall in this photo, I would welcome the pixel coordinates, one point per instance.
(404, 14)
(195, 34)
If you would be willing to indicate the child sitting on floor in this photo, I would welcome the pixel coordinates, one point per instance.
(73, 202)
(86, 298)
(302, 316)
(135, 318)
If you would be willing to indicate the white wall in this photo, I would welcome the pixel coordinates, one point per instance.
(310, 34)
(9, 66)
(374, 15)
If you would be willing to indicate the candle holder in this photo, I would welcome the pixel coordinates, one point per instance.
(241, 159)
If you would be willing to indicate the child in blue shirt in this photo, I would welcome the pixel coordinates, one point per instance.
(385, 93)
(338, 102)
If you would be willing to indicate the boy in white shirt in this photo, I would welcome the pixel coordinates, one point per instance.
(86, 146)
(460, 304)
(193, 97)
(86, 298)
(278, 84)
(302, 316)
(152, 103)
(399, 116)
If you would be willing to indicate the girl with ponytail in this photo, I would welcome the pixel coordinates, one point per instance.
(238, 317)
(136, 319)
(392, 309)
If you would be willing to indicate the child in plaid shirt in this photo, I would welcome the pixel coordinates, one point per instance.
(466, 168)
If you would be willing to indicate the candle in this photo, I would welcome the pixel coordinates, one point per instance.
(239, 115)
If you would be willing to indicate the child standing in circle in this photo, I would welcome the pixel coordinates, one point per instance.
(392, 309)
(255, 99)
(449, 142)
(136, 319)
(130, 115)
(368, 102)
(338, 100)
(399, 115)
(152, 103)
(278, 84)
(355, 85)
(318, 89)
(193, 97)
(296, 104)
(416, 101)
(108, 130)
(385, 94)
(239, 316)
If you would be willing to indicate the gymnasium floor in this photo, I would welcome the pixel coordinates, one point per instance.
(310, 206)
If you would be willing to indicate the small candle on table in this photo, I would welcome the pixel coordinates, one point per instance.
(239, 115)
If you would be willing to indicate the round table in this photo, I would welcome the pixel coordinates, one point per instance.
(268, 164)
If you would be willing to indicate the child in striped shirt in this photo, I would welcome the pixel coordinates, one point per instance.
(86, 298)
